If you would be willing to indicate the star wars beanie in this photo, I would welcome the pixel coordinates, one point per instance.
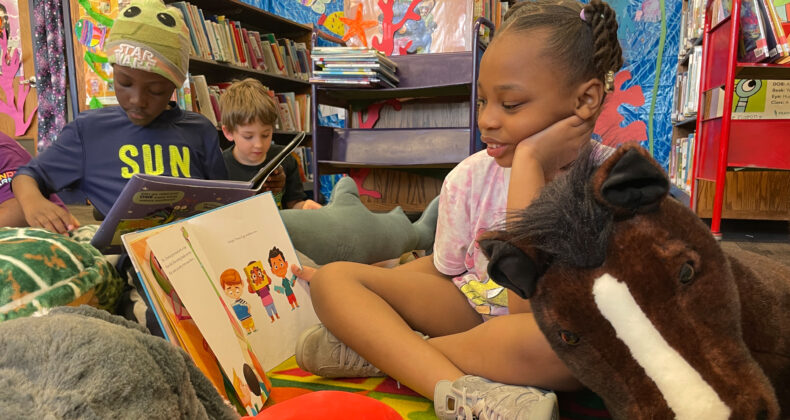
(147, 35)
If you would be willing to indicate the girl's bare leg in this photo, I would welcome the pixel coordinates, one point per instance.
(510, 349)
(373, 310)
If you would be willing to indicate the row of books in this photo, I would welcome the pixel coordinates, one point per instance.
(692, 22)
(687, 88)
(293, 109)
(304, 158)
(353, 66)
(763, 38)
(680, 161)
(214, 37)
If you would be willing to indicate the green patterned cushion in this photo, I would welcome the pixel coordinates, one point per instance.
(41, 270)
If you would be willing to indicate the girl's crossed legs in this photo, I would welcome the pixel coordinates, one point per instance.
(373, 310)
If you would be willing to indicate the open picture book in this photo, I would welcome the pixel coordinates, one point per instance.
(221, 286)
(152, 200)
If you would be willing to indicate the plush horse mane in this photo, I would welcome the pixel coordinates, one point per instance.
(640, 302)
(566, 221)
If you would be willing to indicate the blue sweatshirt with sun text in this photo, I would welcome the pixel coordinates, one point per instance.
(101, 149)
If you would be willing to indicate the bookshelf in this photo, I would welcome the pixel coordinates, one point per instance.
(433, 131)
(684, 112)
(740, 167)
(251, 18)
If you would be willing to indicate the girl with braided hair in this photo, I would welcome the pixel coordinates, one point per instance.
(541, 86)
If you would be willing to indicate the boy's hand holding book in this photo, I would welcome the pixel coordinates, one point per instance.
(276, 181)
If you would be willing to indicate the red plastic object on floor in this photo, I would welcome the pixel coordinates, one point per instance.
(328, 405)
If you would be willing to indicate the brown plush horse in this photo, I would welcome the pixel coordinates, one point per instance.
(641, 302)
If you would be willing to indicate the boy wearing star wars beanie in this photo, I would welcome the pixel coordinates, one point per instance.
(101, 149)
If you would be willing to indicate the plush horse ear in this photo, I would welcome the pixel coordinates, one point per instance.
(508, 265)
(631, 180)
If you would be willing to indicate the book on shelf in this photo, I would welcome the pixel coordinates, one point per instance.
(203, 95)
(215, 37)
(353, 66)
(751, 100)
(303, 158)
(681, 155)
(330, 54)
(152, 200)
(763, 36)
(687, 87)
(753, 43)
(221, 287)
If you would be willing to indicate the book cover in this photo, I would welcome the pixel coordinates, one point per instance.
(774, 48)
(288, 123)
(268, 56)
(357, 71)
(195, 48)
(175, 321)
(305, 62)
(781, 38)
(211, 54)
(200, 31)
(250, 53)
(233, 273)
(152, 200)
(204, 98)
(753, 37)
(236, 40)
(279, 61)
(255, 41)
(289, 70)
(761, 99)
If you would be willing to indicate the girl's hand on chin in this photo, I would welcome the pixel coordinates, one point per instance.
(556, 146)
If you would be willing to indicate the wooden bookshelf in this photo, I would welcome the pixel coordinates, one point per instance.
(255, 19)
(398, 155)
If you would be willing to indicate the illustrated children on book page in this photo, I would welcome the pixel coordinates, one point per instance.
(258, 282)
(215, 261)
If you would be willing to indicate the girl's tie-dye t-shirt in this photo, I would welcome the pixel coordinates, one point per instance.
(473, 200)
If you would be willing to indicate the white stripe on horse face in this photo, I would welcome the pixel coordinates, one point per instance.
(686, 393)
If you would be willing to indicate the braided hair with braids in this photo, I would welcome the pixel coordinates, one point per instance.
(582, 39)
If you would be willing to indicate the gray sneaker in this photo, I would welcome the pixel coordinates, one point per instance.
(472, 397)
(321, 353)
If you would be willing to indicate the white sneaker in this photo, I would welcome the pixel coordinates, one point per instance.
(321, 353)
(472, 397)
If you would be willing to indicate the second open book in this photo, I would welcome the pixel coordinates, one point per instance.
(222, 288)
(151, 200)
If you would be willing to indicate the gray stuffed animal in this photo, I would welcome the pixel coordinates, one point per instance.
(83, 363)
(345, 230)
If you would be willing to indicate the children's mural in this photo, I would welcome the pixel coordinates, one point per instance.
(92, 22)
(641, 105)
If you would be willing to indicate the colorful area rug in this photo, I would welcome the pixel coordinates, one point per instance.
(288, 381)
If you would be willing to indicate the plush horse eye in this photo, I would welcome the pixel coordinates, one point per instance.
(686, 273)
(569, 337)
